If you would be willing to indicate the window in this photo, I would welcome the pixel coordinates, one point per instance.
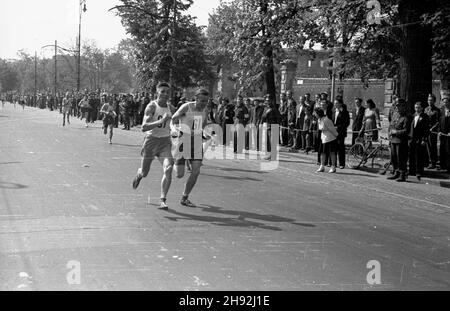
(309, 63)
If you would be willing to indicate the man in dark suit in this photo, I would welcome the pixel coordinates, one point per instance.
(227, 118)
(241, 116)
(271, 116)
(434, 115)
(291, 118)
(444, 135)
(341, 119)
(284, 123)
(357, 117)
(255, 119)
(418, 135)
(399, 128)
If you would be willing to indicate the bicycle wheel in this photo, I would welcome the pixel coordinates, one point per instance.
(355, 155)
(381, 158)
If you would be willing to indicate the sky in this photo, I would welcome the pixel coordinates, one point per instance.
(31, 24)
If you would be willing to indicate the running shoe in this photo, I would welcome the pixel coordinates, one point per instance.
(137, 180)
(185, 202)
(163, 205)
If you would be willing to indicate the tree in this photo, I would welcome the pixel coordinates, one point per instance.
(166, 43)
(397, 44)
(9, 78)
(247, 32)
(439, 20)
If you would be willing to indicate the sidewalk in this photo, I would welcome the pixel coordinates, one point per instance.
(431, 177)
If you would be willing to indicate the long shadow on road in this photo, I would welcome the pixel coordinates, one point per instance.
(10, 185)
(242, 219)
(232, 178)
(227, 169)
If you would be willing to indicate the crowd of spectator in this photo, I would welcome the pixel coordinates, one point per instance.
(311, 125)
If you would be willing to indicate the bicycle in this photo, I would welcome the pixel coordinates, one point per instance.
(364, 151)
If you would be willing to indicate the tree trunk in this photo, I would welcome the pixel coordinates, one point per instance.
(269, 69)
(270, 74)
(415, 56)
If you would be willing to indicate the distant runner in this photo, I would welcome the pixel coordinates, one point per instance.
(66, 106)
(109, 117)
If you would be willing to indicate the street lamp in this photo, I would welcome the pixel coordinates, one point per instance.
(56, 46)
(82, 9)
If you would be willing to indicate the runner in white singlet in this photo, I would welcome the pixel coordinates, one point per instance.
(157, 142)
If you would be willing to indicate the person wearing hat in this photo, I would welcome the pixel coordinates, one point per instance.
(399, 129)
(192, 117)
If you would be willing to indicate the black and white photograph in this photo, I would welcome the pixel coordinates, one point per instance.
(241, 147)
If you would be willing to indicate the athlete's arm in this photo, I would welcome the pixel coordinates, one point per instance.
(104, 109)
(180, 112)
(147, 125)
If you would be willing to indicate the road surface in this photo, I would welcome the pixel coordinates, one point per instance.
(70, 220)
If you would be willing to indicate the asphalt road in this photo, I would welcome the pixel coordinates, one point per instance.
(66, 198)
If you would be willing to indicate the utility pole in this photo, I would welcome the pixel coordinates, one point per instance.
(82, 9)
(35, 78)
(56, 74)
(333, 70)
(172, 49)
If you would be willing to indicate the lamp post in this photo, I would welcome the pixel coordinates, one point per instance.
(35, 78)
(82, 9)
(172, 50)
(56, 46)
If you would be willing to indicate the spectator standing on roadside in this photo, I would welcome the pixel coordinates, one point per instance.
(227, 120)
(444, 135)
(341, 118)
(299, 120)
(371, 120)
(284, 119)
(271, 116)
(328, 138)
(240, 122)
(418, 135)
(434, 115)
(399, 131)
(291, 118)
(357, 117)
